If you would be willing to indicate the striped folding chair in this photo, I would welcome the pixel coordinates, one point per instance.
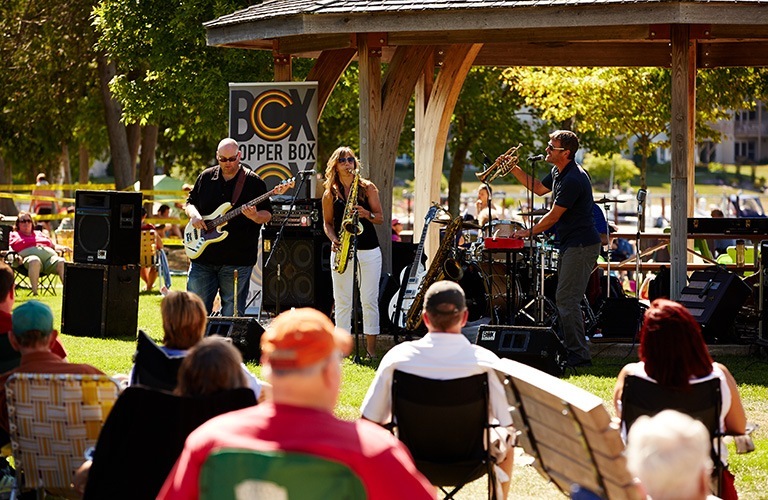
(53, 420)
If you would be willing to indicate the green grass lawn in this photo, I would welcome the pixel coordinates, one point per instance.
(114, 356)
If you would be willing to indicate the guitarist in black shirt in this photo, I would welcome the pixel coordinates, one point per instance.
(212, 270)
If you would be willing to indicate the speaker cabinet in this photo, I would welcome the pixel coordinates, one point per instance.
(619, 319)
(245, 333)
(536, 346)
(299, 271)
(107, 227)
(714, 298)
(100, 301)
(763, 329)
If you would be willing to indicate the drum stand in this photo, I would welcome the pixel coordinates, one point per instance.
(540, 302)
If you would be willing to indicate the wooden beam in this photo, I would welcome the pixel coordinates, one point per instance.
(314, 43)
(398, 87)
(682, 137)
(370, 106)
(283, 65)
(449, 37)
(732, 54)
(431, 143)
(636, 54)
(327, 70)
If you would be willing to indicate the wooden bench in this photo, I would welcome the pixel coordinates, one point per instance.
(567, 431)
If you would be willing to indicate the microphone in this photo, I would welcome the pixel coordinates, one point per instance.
(641, 194)
(486, 161)
(306, 172)
(536, 158)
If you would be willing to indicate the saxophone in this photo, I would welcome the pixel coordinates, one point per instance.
(348, 228)
(437, 271)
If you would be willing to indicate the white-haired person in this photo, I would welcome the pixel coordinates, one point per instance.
(669, 454)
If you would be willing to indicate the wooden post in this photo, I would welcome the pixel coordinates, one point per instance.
(682, 136)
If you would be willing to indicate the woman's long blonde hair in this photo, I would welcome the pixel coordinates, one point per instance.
(332, 184)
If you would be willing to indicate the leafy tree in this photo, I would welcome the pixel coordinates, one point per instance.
(484, 120)
(601, 168)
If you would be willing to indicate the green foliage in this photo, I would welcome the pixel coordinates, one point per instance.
(167, 75)
(600, 167)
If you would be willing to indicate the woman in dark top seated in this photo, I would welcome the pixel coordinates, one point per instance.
(145, 432)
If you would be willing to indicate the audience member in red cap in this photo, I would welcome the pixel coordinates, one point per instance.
(444, 354)
(301, 355)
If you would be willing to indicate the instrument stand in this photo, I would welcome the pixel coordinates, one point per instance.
(275, 244)
(540, 302)
(355, 291)
(608, 254)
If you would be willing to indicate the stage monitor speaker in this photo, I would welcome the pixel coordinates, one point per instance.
(299, 272)
(714, 297)
(244, 331)
(536, 346)
(107, 227)
(100, 301)
(619, 319)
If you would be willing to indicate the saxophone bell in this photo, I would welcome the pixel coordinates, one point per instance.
(349, 224)
(453, 270)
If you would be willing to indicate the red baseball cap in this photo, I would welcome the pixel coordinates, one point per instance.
(301, 337)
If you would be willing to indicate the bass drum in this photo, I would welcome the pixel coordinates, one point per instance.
(475, 288)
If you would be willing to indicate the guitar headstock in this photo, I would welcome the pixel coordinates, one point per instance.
(285, 185)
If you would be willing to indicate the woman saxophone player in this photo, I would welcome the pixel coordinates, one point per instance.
(341, 175)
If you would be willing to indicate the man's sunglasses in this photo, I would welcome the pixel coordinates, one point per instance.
(224, 159)
(348, 159)
(551, 147)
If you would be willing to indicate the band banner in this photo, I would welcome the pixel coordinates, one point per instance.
(275, 124)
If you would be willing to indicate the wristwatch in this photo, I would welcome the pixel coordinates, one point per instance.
(372, 216)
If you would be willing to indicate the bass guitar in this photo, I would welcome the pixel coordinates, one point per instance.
(197, 240)
(409, 287)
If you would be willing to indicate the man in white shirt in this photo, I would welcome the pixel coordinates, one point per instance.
(444, 354)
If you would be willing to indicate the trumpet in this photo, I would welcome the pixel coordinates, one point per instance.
(499, 168)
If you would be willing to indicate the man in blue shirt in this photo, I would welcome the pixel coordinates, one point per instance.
(579, 240)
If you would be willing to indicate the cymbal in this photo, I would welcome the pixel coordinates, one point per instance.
(464, 225)
(605, 199)
(537, 211)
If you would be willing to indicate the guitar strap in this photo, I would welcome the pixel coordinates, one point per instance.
(239, 185)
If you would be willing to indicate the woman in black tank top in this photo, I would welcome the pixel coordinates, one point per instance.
(339, 176)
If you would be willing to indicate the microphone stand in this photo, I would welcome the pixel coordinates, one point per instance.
(490, 211)
(534, 264)
(275, 243)
(355, 292)
(640, 216)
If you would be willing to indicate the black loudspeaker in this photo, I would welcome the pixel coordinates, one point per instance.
(245, 333)
(303, 261)
(536, 346)
(5, 233)
(100, 301)
(619, 319)
(714, 297)
(107, 227)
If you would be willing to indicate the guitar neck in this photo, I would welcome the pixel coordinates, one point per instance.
(237, 211)
(420, 249)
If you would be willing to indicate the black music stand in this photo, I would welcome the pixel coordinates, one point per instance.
(355, 290)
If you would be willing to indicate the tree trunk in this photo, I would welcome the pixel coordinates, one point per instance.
(118, 138)
(147, 165)
(7, 206)
(84, 165)
(454, 180)
(133, 130)
(65, 171)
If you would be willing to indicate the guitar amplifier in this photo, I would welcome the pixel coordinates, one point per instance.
(305, 214)
(714, 298)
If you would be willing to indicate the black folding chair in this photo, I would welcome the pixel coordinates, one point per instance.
(46, 283)
(444, 424)
(701, 401)
(144, 435)
(153, 367)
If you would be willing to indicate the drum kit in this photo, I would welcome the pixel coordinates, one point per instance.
(506, 281)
